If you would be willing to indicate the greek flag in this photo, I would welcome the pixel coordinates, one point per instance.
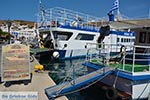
(114, 6)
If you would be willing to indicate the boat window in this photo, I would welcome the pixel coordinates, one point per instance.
(83, 36)
(118, 39)
(125, 40)
(121, 39)
(133, 40)
(129, 40)
(59, 35)
(148, 37)
(142, 37)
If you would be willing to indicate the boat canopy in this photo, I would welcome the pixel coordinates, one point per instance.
(130, 24)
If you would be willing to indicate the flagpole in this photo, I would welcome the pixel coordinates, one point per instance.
(118, 11)
(114, 7)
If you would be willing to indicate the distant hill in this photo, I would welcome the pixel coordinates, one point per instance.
(20, 22)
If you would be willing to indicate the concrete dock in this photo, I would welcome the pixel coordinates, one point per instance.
(39, 81)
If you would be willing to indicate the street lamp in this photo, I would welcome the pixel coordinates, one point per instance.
(9, 23)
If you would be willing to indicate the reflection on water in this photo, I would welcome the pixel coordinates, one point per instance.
(64, 70)
(61, 71)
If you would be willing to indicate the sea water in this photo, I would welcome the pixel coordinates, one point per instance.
(65, 70)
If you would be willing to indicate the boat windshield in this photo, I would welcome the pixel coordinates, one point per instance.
(83, 36)
(60, 35)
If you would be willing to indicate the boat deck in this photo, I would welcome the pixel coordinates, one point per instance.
(125, 67)
(65, 18)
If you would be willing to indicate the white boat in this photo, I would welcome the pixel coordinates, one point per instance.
(131, 79)
(66, 33)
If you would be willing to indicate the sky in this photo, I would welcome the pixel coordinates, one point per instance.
(27, 9)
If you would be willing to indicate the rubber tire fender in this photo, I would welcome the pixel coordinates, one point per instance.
(111, 93)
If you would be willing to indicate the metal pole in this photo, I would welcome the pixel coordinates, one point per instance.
(9, 25)
(133, 58)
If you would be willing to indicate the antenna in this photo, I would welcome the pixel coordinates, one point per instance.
(149, 14)
(118, 11)
(42, 12)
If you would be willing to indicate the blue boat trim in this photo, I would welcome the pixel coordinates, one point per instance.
(91, 29)
(132, 77)
(120, 73)
(123, 33)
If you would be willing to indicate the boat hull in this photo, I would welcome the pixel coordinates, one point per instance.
(135, 89)
(64, 54)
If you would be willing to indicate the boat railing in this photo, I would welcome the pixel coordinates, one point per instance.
(60, 17)
(139, 59)
(131, 61)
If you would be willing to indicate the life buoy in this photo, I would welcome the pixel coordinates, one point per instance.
(111, 93)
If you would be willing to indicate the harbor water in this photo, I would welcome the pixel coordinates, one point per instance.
(61, 71)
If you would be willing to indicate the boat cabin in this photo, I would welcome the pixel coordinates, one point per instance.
(143, 39)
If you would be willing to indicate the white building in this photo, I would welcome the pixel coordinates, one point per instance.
(20, 31)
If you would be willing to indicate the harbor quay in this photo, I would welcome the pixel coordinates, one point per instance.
(39, 82)
(34, 90)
